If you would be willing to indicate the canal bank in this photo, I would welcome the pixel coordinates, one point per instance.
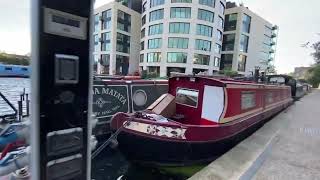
(287, 147)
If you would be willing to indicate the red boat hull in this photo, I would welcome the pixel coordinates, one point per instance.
(155, 151)
(208, 127)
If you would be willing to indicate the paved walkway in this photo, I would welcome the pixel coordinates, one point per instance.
(296, 153)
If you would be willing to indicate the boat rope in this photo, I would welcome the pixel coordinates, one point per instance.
(109, 140)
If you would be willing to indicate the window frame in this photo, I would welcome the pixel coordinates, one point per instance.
(194, 90)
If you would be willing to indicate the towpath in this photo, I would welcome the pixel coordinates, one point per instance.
(295, 155)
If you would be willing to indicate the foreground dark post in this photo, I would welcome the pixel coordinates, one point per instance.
(61, 80)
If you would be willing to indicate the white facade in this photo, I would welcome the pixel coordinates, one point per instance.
(189, 49)
(111, 64)
(261, 45)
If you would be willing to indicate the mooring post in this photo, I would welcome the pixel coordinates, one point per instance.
(27, 105)
(20, 110)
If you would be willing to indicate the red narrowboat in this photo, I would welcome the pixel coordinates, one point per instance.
(210, 116)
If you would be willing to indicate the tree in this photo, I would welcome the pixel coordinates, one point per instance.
(313, 76)
(316, 53)
(13, 59)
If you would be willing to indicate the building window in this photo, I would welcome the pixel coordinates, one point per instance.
(156, 3)
(153, 71)
(143, 33)
(156, 15)
(204, 30)
(210, 3)
(181, 1)
(105, 62)
(180, 12)
(124, 21)
(124, 2)
(180, 28)
(226, 61)
(154, 57)
(96, 22)
(96, 43)
(144, 7)
(203, 45)
(154, 43)
(205, 15)
(217, 49)
(201, 59)
(123, 43)
(219, 35)
(231, 22)
(143, 20)
(177, 57)
(155, 29)
(105, 41)
(242, 63)
(222, 8)
(180, 43)
(220, 22)
(141, 58)
(142, 45)
(95, 63)
(246, 23)
(216, 62)
(244, 40)
(106, 19)
(200, 71)
(122, 65)
(228, 42)
(248, 100)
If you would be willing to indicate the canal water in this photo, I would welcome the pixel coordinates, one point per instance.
(108, 165)
(12, 88)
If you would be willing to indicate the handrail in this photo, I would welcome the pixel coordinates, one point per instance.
(11, 105)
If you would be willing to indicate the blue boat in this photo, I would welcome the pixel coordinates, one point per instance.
(7, 70)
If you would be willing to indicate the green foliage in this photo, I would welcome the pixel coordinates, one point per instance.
(151, 75)
(313, 76)
(316, 53)
(13, 59)
(228, 72)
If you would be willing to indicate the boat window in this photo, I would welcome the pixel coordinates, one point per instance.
(280, 80)
(24, 69)
(248, 100)
(269, 97)
(187, 97)
(8, 68)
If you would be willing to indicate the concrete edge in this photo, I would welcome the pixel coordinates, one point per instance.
(243, 161)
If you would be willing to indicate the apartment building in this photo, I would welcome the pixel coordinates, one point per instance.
(187, 36)
(249, 41)
(117, 37)
(181, 36)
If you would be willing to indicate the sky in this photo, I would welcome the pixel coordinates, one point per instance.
(298, 21)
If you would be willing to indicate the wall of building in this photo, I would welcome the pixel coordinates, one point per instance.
(256, 45)
(134, 35)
